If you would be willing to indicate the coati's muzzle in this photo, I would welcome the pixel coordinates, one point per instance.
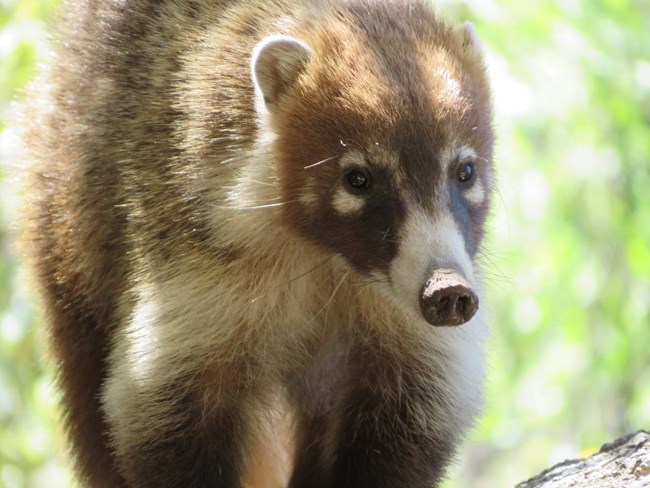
(447, 298)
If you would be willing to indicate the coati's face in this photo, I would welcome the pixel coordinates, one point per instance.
(384, 142)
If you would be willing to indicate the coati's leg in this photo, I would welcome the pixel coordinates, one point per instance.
(197, 452)
(391, 425)
(310, 468)
(269, 456)
(182, 432)
(80, 330)
(78, 342)
(389, 442)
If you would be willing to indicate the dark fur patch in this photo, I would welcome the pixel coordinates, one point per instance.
(366, 239)
(471, 217)
(379, 440)
(200, 449)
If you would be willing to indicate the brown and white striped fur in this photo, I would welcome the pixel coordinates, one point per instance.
(252, 216)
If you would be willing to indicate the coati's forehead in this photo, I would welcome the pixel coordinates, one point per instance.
(393, 73)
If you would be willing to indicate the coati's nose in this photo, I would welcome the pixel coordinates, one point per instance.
(447, 298)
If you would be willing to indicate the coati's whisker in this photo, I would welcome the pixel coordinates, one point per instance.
(331, 298)
(368, 282)
(302, 275)
(385, 235)
(311, 270)
(320, 162)
(229, 160)
(273, 185)
(253, 207)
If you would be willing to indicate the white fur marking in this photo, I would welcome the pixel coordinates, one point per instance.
(466, 153)
(476, 194)
(141, 338)
(134, 356)
(352, 158)
(451, 88)
(309, 195)
(427, 242)
(347, 204)
(453, 154)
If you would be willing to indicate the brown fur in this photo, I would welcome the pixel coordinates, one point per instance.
(189, 285)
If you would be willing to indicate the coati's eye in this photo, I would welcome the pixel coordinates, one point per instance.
(357, 180)
(465, 172)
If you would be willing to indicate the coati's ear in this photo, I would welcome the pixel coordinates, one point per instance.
(470, 39)
(276, 63)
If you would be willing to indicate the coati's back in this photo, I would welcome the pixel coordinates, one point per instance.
(157, 154)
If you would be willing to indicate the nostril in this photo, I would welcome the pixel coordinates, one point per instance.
(464, 304)
(451, 302)
(447, 303)
(448, 299)
(444, 303)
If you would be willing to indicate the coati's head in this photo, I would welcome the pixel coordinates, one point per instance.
(382, 122)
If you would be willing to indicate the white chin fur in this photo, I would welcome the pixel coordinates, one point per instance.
(427, 242)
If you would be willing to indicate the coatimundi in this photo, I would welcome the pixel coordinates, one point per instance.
(251, 216)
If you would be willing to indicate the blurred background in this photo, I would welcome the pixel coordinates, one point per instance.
(567, 261)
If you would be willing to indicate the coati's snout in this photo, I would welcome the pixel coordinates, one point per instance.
(447, 298)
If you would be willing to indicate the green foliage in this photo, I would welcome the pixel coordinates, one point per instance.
(30, 442)
(568, 261)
